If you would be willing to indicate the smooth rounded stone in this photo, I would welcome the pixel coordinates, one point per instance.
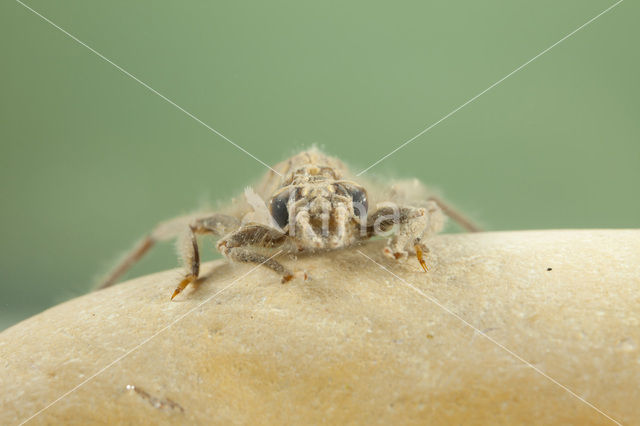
(354, 344)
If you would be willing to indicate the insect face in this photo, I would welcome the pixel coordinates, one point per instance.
(324, 213)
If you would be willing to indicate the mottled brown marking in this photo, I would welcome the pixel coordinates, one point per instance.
(154, 401)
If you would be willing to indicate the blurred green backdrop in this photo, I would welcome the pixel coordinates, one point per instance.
(91, 160)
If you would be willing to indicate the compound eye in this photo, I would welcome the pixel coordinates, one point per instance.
(359, 197)
(278, 208)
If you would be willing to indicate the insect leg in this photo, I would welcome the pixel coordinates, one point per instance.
(456, 216)
(139, 250)
(163, 232)
(242, 254)
(413, 192)
(413, 224)
(218, 225)
(191, 256)
(241, 245)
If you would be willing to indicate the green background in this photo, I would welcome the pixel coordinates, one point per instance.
(91, 160)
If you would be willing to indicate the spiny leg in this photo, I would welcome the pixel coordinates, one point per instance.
(242, 254)
(217, 225)
(192, 259)
(456, 215)
(164, 231)
(413, 192)
(241, 245)
(421, 250)
(168, 230)
(413, 224)
(130, 259)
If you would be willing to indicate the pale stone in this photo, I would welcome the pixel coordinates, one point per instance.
(354, 344)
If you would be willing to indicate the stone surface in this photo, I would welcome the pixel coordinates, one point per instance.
(354, 344)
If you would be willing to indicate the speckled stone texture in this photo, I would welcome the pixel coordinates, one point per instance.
(354, 344)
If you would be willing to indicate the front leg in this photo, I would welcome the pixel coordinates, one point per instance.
(244, 245)
(218, 224)
(412, 224)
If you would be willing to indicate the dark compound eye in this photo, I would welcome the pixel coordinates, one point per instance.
(278, 208)
(360, 202)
